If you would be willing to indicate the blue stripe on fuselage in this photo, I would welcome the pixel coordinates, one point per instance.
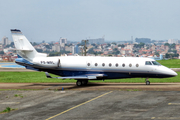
(110, 75)
(23, 61)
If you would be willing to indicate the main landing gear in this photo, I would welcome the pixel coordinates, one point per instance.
(147, 81)
(81, 82)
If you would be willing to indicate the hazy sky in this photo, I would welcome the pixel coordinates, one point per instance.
(80, 19)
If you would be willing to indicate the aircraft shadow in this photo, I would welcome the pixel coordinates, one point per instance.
(114, 85)
(73, 86)
(56, 84)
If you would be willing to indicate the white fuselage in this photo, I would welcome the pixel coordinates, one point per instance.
(130, 65)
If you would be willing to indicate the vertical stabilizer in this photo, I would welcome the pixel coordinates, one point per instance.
(23, 46)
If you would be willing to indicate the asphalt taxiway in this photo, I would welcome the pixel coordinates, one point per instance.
(94, 86)
(76, 105)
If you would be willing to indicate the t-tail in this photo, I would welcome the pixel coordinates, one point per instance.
(25, 51)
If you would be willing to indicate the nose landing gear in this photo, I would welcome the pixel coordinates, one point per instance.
(147, 81)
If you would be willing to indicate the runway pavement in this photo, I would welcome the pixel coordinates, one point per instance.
(81, 105)
(5, 69)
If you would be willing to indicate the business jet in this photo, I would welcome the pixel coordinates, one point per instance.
(84, 68)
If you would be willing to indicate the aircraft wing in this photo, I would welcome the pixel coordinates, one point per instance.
(86, 76)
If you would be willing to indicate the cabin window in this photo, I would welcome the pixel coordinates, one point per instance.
(137, 65)
(123, 65)
(155, 63)
(96, 64)
(103, 64)
(116, 64)
(88, 64)
(148, 63)
(110, 64)
(130, 65)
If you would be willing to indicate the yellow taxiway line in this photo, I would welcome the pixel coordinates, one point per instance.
(173, 103)
(166, 118)
(79, 105)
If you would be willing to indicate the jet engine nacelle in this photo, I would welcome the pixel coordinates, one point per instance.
(47, 62)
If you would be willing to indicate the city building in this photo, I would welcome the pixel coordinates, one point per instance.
(70, 48)
(130, 46)
(96, 41)
(77, 49)
(5, 41)
(171, 41)
(1, 46)
(62, 42)
(143, 40)
(56, 47)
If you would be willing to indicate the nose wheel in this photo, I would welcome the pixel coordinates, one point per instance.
(147, 81)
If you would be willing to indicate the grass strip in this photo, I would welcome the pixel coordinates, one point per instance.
(171, 63)
(39, 77)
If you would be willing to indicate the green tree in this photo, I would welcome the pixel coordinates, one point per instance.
(113, 43)
(171, 56)
(99, 52)
(93, 44)
(108, 44)
(91, 51)
(134, 51)
(140, 45)
(166, 44)
(156, 53)
(144, 52)
(116, 51)
(174, 51)
(34, 44)
(173, 46)
(121, 45)
(7, 46)
(54, 54)
(1, 52)
(39, 50)
(12, 44)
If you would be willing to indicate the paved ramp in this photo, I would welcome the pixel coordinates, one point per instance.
(95, 86)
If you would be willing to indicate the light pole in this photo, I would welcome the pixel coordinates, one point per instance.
(85, 41)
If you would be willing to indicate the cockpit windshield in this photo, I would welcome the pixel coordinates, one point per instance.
(155, 63)
(152, 63)
(148, 63)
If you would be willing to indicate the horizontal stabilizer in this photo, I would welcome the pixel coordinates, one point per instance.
(87, 76)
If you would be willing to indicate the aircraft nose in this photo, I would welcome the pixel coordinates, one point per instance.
(172, 73)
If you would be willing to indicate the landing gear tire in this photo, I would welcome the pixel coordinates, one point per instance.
(79, 83)
(84, 82)
(147, 83)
